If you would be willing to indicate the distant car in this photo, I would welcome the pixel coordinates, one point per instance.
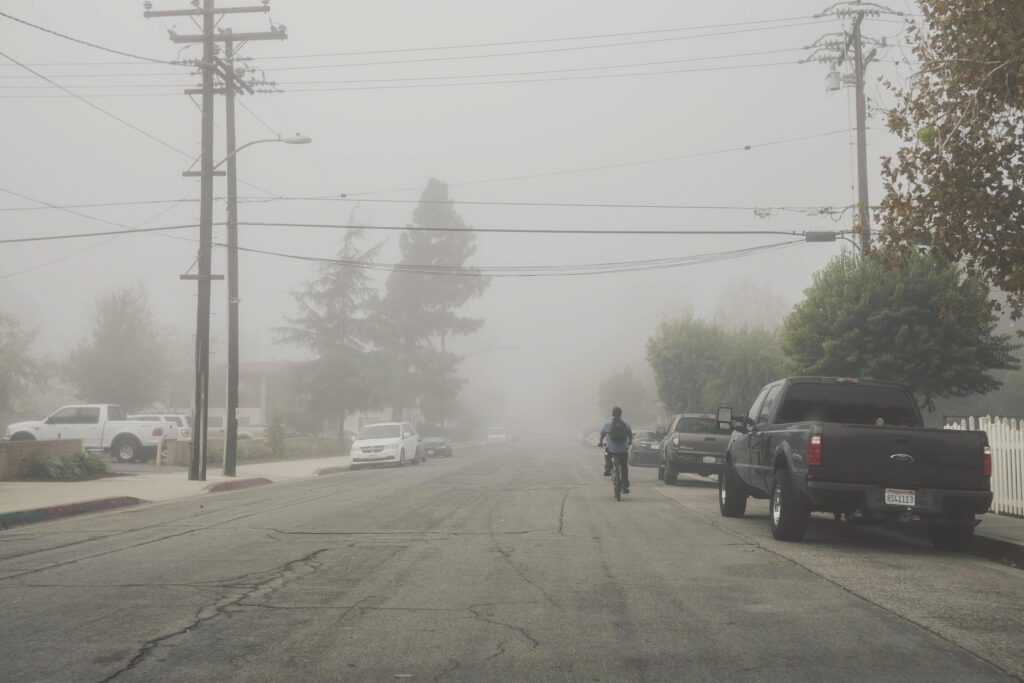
(645, 451)
(395, 443)
(437, 447)
(498, 435)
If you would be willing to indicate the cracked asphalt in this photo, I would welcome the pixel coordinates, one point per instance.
(503, 563)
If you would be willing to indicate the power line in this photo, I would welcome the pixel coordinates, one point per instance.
(98, 108)
(537, 271)
(536, 40)
(636, 232)
(85, 42)
(573, 48)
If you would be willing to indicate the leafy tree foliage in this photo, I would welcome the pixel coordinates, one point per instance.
(629, 391)
(20, 369)
(958, 181)
(123, 361)
(333, 322)
(923, 324)
(699, 366)
(424, 294)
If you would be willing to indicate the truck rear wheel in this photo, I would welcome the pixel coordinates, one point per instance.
(788, 513)
(950, 536)
(125, 450)
(671, 473)
(732, 496)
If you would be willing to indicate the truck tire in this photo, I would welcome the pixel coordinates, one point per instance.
(787, 512)
(950, 536)
(732, 495)
(125, 449)
(661, 470)
(670, 472)
(22, 436)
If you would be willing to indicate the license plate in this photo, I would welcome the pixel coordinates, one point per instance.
(900, 497)
(710, 459)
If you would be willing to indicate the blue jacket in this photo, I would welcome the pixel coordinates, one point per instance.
(616, 446)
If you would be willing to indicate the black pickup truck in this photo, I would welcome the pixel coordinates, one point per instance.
(856, 448)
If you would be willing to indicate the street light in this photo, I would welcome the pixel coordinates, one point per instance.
(231, 416)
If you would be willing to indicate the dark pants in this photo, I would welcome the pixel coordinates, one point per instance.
(622, 464)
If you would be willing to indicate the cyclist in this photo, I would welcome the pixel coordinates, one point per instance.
(619, 435)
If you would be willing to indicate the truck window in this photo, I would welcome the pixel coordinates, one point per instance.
(697, 425)
(64, 416)
(849, 404)
(116, 414)
(87, 415)
(755, 406)
(769, 403)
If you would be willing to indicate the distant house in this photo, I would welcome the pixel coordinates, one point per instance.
(263, 388)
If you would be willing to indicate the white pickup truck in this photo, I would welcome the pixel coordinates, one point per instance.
(102, 427)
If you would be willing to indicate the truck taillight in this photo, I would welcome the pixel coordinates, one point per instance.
(986, 461)
(159, 431)
(814, 450)
(675, 441)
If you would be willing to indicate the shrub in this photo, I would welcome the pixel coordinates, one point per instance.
(77, 467)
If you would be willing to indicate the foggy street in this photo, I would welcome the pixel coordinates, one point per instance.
(508, 562)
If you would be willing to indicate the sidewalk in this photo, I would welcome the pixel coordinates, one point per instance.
(23, 502)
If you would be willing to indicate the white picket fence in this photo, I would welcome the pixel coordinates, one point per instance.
(1006, 438)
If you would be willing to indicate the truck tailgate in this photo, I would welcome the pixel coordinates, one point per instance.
(902, 457)
(712, 444)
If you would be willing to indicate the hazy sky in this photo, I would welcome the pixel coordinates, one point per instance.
(577, 102)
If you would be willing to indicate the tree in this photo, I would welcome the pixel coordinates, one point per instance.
(333, 323)
(924, 324)
(629, 391)
(123, 360)
(699, 366)
(957, 183)
(430, 283)
(19, 367)
(683, 353)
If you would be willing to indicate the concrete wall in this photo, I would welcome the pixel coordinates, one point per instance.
(13, 452)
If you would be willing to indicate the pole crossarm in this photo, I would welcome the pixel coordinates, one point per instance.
(275, 34)
(200, 11)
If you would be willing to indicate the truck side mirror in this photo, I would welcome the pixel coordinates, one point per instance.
(725, 419)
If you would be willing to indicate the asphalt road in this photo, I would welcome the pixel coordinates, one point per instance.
(503, 563)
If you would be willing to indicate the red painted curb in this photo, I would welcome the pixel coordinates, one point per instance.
(9, 519)
(328, 470)
(236, 484)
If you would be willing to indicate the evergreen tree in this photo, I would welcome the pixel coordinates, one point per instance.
(424, 293)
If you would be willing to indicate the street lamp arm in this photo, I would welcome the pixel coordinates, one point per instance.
(294, 140)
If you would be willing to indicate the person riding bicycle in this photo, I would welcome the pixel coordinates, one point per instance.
(619, 435)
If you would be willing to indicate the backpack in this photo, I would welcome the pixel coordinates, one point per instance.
(618, 431)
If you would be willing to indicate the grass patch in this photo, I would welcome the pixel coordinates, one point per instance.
(252, 450)
(77, 467)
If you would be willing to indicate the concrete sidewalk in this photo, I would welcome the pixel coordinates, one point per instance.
(22, 502)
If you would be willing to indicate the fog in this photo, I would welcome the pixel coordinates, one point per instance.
(676, 138)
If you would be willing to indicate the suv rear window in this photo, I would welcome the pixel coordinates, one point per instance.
(848, 404)
(697, 425)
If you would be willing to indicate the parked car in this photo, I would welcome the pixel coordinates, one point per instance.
(694, 443)
(498, 435)
(437, 447)
(100, 426)
(645, 451)
(858, 449)
(395, 443)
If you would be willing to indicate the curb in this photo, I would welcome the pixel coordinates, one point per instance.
(328, 470)
(233, 484)
(16, 518)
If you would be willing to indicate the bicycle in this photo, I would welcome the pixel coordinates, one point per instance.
(616, 475)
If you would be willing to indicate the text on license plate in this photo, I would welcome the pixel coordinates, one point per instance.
(710, 459)
(900, 497)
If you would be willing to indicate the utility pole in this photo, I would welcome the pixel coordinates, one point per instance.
(835, 48)
(208, 66)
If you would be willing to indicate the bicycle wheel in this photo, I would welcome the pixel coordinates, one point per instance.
(617, 480)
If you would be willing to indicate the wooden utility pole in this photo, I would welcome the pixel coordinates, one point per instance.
(208, 67)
